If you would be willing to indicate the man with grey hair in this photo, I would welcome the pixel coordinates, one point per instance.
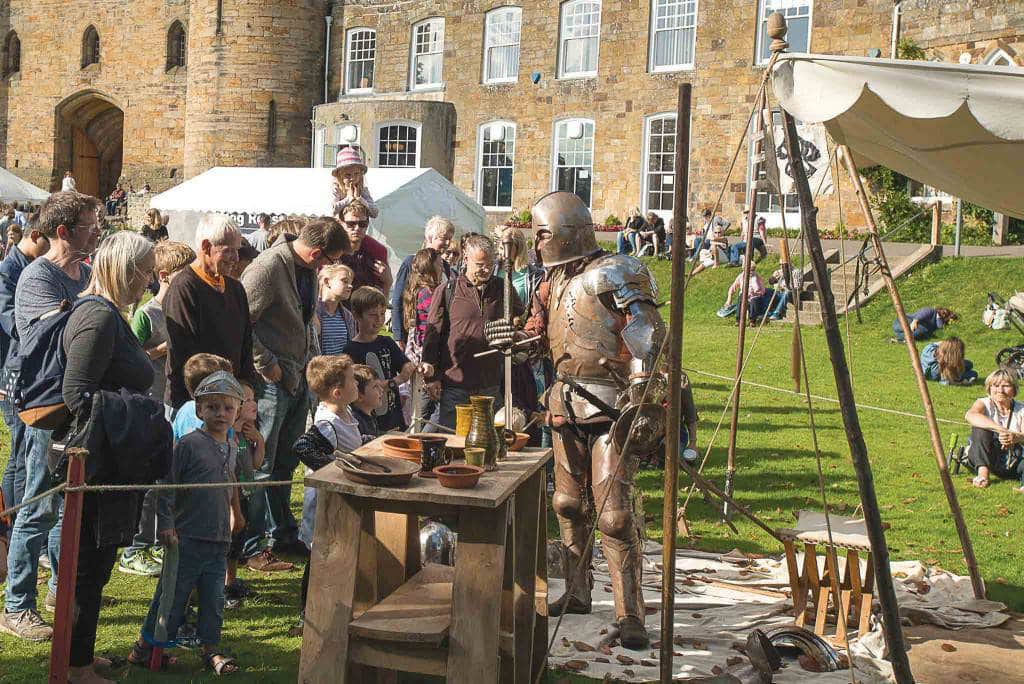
(207, 311)
(437, 234)
(71, 223)
(455, 330)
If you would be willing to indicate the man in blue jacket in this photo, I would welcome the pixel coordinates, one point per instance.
(33, 244)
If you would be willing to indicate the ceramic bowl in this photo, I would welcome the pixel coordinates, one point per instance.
(516, 440)
(458, 476)
(402, 471)
(402, 447)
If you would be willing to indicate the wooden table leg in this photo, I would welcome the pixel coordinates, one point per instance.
(476, 595)
(332, 585)
(527, 509)
(398, 536)
(540, 591)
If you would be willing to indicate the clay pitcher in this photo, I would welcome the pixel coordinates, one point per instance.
(482, 434)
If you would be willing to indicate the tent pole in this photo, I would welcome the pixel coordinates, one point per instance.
(741, 338)
(891, 629)
(922, 384)
(675, 372)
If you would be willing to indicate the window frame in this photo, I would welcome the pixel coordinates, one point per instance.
(762, 22)
(12, 66)
(378, 157)
(481, 132)
(996, 55)
(350, 34)
(176, 33)
(88, 47)
(562, 11)
(692, 64)
(327, 135)
(554, 152)
(645, 161)
(486, 78)
(413, 56)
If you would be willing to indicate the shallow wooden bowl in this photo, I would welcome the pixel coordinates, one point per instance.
(402, 471)
(402, 447)
(459, 476)
(516, 440)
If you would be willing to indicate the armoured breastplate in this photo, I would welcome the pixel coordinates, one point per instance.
(582, 330)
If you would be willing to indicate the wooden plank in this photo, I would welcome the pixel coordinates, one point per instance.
(398, 557)
(476, 599)
(405, 657)
(525, 529)
(796, 583)
(821, 609)
(332, 584)
(366, 564)
(492, 491)
(417, 612)
(540, 590)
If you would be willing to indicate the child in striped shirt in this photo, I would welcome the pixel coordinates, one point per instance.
(335, 324)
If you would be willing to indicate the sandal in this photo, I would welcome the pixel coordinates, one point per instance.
(224, 666)
(141, 654)
(980, 482)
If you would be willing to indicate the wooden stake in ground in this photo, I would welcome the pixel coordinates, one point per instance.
(922, 384)
(675, 374)
(67, 569)
(891, 628)
(741, 338)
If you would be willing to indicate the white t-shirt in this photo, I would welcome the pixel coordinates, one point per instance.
(343, 433)
(1016, 423)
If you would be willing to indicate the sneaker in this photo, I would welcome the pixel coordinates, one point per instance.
(50, 602)
(154, 557)
(139, 563)
(265, 561)
(26, 624)
(44, 561)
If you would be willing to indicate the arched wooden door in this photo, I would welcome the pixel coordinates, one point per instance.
(85, 162)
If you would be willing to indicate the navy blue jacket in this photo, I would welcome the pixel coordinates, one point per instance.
(10, 271)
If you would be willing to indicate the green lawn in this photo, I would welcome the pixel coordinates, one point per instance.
(776, 470)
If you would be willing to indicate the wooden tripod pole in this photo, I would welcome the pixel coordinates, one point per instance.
(675, 372)
(891, 629)
(922, 384)
(741, 338)
(508, 245)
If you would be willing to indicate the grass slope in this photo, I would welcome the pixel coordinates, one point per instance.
(776, 466)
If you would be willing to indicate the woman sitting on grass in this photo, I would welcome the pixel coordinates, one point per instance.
(997, 430)
(944, 361)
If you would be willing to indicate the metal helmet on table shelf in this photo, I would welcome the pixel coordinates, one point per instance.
(437, 543)
(567, 219)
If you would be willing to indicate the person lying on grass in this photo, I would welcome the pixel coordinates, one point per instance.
(997, 430)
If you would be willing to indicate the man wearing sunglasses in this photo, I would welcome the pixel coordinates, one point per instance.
(367, 258)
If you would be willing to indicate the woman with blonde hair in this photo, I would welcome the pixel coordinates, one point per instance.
(154, 230)
(944, 361)
(103, 354)
(997, 430)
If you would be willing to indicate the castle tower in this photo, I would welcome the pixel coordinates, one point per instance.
(254, 74)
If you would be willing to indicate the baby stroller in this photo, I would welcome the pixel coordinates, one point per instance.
(1000, 313)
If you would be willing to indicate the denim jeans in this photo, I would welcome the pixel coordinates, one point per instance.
(779, 308)
(453, 396)
(738, 249)
(282, 421)
(201, 566)
(13, 483)
(37, 524)
(626, 244)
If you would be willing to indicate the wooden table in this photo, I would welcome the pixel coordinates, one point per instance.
(366, 549)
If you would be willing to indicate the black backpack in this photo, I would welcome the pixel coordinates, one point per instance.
(41, 362)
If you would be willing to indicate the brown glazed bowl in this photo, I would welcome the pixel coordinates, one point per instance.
(516, 440)
(458, 476)
(402, 447)
(402, 471)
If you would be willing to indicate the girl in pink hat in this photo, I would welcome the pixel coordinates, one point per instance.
(348, 173)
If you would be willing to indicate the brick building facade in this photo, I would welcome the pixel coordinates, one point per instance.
(508, 98)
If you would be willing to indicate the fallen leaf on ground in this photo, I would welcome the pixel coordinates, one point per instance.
(625, 659)
(948, 648)
(733, 660)
(648, 663)
(576, 665)
(717, 670)
(583, 646)
(599, 659)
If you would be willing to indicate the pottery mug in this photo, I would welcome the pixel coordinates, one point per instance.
(433, 453)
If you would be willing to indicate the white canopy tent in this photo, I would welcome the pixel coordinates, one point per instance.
(406, 198)
(956, 127)
(14, 189)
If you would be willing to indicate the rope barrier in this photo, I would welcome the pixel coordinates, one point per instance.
(63, 487)
(782, 390)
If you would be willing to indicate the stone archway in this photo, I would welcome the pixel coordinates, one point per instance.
(89, 142)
